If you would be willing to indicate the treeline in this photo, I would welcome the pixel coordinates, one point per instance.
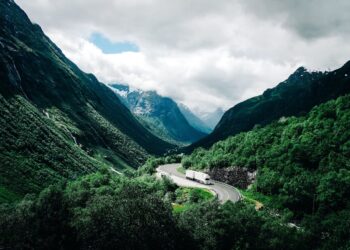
(303, 162)
(107, 211)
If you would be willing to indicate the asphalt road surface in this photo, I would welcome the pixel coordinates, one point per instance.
(223, 191)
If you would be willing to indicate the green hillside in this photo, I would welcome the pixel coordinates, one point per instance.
(304, 163)
(55, 118)
(34, 152)
(293, 97)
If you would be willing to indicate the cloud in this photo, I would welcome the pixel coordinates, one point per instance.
(310, 19)
(203, 53)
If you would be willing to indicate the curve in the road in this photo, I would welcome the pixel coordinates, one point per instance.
(224, 191)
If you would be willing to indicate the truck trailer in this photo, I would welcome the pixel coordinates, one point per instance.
(198, 176)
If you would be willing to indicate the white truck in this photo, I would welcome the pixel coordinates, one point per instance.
(198, 176)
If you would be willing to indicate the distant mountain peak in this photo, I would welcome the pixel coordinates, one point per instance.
(213, 118)
(120, 86)
(161, 115)
(301, 69)
(194, 120)
(299, 72)
(346, 65)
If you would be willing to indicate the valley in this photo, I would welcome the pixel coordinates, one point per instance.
(87, 164)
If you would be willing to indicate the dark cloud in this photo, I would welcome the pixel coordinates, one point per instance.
(310, 19)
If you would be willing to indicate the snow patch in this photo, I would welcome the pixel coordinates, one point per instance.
(122, 93)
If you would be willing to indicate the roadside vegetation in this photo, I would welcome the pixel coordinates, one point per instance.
(152, 163)
(303, 169)
(186, 197)
(109, 211)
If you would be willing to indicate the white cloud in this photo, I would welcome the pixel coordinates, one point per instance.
(204, 53)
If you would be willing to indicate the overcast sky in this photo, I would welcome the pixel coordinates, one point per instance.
(203, 53)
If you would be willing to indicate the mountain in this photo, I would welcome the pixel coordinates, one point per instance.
(194, 120)
(159, 114)
(302, 164)
(293, 97)
(211, 119)
(56, 121)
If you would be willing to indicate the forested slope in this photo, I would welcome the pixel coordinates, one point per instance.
(107, 211)
(293, 97)
(56, 118)
(303, 162)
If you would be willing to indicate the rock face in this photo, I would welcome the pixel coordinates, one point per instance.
(161, 115)
(235, 176)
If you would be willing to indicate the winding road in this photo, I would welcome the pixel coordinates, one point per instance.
(224, 192)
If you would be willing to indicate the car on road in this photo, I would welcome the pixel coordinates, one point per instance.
(198, 176)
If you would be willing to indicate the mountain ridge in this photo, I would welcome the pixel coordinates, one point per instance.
(193, 119)
(161, 115)
(295, 96)
(82, 117)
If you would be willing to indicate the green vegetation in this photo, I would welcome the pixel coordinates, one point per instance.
(62, 131)
(79, 105)
(100, 211)
(303, 163)
(109, 159)
(56, 121)
(293, 97)
(108, 211)
(260, 200)
(179, 208)
(33, 152)
(185, 198)
(152, 163)
(184, 195)
(8, 195)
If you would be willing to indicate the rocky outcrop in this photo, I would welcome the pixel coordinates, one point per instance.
(235, 176)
